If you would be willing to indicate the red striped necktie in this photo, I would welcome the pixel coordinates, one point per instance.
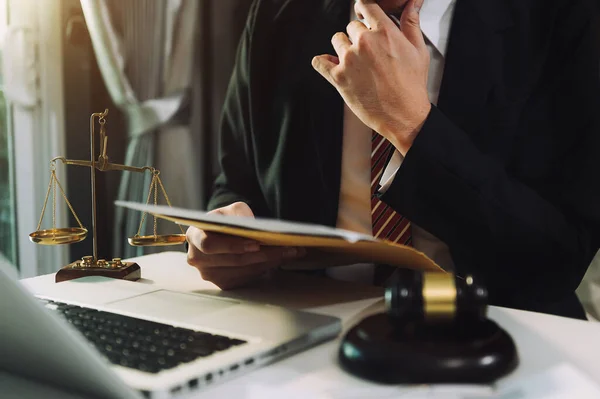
(387, 224)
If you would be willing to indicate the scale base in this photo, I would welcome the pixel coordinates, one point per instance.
(87, 267)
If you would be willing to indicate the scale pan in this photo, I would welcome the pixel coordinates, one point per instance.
(157, 241)
(67, 235)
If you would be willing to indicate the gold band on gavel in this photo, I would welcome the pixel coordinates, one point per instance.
(439, 296)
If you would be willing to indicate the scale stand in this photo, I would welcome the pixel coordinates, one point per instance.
(92, 265)
(87, 267)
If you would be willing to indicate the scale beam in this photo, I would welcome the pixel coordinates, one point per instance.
(104, 166)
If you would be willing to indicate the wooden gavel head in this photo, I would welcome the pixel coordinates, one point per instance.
(434, 297)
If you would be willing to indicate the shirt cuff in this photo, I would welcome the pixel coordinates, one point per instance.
(390, 171)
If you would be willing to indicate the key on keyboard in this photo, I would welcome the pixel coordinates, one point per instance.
(141, 344)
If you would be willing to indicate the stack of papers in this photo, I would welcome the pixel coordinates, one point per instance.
(326, 246)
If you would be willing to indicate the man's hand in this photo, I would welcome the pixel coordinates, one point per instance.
(232, 262)
(381, 71)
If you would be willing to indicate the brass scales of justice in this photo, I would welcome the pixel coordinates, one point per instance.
(92, 265)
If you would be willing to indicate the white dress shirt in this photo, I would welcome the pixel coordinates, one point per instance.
(355, 203)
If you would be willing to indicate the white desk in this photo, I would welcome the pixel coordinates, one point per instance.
(542, 340)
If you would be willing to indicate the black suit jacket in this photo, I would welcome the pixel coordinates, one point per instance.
(504, 170)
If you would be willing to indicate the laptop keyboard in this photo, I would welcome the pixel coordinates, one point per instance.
(141, 344)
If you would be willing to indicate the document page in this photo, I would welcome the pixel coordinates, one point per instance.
(258, 224)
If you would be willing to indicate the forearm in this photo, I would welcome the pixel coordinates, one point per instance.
(225, 194)
(237, 180)
(465, 198)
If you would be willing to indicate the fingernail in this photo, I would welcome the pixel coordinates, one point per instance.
(418, 5)
(290, 252)
(251, 247)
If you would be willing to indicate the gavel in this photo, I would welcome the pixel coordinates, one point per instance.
(434, 329)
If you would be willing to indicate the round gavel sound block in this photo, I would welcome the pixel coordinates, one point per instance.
(380, 350)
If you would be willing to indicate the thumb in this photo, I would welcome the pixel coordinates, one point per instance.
(236, 209)
(324, 64)
(242, 209)
(410, 23)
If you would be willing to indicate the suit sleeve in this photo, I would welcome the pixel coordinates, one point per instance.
(530, 244)
(237, 180)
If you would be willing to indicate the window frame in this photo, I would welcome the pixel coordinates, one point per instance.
(39, 134)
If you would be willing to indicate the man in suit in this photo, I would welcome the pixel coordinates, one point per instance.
(466, 128)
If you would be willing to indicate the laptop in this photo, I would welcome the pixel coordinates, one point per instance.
(107, 338)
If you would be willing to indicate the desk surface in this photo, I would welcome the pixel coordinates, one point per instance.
(543, 341)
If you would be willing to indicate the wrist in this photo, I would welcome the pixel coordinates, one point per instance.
(402, 134)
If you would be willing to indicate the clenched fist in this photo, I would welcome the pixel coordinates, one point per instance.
(381, 71)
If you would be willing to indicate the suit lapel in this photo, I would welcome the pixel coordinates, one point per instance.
(473, 58)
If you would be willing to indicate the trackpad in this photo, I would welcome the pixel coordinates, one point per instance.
(171, 305)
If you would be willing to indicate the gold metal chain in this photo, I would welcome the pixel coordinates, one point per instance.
(53, 199)
(68, 203)
(47, 195)
(52, 187)
(139, 232)
(167, 199)
(156, 173)
(154, 185)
